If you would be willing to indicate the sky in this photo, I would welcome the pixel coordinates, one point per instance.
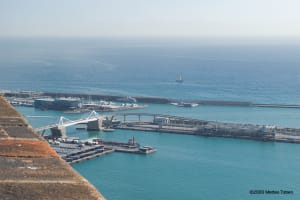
(150, 18)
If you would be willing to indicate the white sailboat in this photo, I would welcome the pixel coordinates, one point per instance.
(179, 78)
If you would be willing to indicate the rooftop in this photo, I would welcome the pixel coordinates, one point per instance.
(30, 168)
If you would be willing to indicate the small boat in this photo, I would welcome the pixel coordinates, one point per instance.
(179, 78)
(108, 129)
(146, 150)
(185, 104)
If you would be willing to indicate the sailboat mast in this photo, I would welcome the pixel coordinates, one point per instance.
(179, 78)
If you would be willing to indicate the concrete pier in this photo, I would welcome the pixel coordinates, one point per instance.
(178, 125)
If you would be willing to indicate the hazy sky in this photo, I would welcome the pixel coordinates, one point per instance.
(156, 18)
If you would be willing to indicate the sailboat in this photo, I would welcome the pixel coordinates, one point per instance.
(179, 78)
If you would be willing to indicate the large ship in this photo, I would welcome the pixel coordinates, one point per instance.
(57, 104)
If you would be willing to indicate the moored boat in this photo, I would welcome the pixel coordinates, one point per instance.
(108, 129)
(146, 150)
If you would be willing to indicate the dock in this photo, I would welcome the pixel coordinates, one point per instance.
(74, 151)
(181, 125)
(226, 130)
(130, 147)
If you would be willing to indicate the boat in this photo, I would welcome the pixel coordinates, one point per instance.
(179, 78)
(101, 106)
(108, 130)
(185, 104)
(146, 150)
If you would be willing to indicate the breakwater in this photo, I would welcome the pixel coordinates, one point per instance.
(142, 99)
(216, 129)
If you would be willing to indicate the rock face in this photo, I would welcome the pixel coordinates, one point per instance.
(30, 168)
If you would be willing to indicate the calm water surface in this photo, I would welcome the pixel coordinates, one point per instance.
(191, 167)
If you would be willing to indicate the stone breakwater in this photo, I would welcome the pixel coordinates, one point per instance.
(249, 131)
(141, 99)
(219, 129)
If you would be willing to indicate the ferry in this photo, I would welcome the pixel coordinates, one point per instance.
(185, 104)
(146, 150)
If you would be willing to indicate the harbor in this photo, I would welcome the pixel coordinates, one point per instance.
(239, 147)
(232, 127)
(75, 150)
(106, 154)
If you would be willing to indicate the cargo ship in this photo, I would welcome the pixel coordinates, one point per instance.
(57, 104)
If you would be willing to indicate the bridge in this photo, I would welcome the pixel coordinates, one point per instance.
(170, 119)
(93, 116)
(94, 122)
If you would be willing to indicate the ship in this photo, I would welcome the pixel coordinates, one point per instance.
(185, 104)
(179, 78)
(57, 103)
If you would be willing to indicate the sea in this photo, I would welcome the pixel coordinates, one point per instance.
(184, 166)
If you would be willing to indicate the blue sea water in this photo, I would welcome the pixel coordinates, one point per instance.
(257, 72)
(190, 167)
(184, 167)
